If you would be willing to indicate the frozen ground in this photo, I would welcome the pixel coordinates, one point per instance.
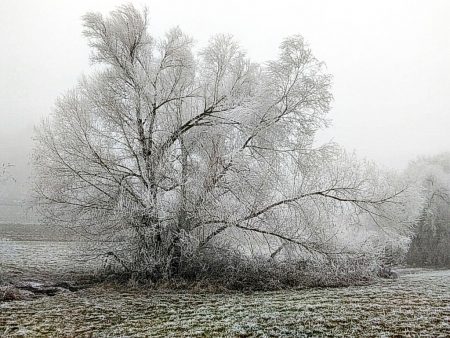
(418, 304)
(38, 252)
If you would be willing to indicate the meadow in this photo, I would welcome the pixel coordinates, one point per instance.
(417, 304)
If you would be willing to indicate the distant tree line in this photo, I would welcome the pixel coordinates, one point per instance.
(430, 243)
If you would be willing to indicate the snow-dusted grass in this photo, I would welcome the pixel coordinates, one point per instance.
(416, 304)
(39, 252)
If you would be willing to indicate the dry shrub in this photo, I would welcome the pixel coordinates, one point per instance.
(218, 270)
(343, 270)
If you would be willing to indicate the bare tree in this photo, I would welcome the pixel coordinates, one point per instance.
(4, 172)
(177, 151)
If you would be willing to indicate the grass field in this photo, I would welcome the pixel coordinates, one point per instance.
(417, 304)
(31, 251)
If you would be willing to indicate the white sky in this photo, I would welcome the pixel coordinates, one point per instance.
(390, 61)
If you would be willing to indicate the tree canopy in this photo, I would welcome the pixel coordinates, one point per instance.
(172, 152)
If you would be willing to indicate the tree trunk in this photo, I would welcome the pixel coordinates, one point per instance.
(182, 222)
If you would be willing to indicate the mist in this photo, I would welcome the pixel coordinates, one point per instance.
(389, 63)
(225, 168)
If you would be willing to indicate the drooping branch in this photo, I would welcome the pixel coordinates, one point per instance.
(359, 202)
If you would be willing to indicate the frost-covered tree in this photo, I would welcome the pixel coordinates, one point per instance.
(430, 244)
(5, 173)
(176, 152)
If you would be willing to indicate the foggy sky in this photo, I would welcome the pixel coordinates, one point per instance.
(390, 61)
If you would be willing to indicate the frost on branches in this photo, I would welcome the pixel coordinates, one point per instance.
(176, 156)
